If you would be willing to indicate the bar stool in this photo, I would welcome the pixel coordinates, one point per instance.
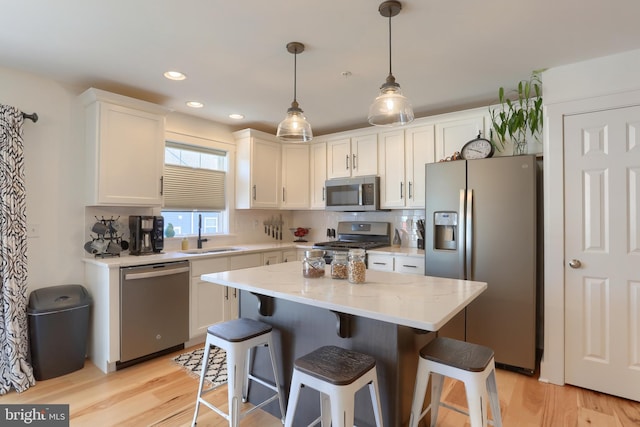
(337, 374)
(238, 338)
(470, 363)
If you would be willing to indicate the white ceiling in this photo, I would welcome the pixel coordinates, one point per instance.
(447, 54)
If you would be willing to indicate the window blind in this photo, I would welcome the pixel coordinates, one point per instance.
(188, 188)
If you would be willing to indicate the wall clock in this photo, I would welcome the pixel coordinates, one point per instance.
(478, 148)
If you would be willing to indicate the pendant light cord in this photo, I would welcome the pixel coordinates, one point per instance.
(390, 44)
(295, 74)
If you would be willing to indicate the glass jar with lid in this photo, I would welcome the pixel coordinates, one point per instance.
(339, 265)
(313, 263)
(356, 266)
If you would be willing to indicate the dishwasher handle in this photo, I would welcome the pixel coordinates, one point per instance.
(156, 273)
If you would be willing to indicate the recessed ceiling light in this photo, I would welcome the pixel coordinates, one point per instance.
(175, 75)
(195, 104)
(236, 116)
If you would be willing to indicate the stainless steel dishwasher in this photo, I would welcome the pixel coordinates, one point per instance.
(154, 310)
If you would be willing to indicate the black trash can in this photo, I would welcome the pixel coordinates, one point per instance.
(58, 328)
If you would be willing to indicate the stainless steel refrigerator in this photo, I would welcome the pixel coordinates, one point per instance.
(480, 224)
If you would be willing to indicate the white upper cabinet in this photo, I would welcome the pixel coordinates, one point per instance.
(419, 143)
(318, 174)
(402, 156)
(258, 170)
(393, 184)
(451, 135)
(125, 149)
(356, 155)
(295, 176)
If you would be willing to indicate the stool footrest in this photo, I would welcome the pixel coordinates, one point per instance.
(263, 382)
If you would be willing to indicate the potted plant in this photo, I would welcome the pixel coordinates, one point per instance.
(516, 119)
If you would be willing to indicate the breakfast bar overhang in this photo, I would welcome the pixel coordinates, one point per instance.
(389, 317)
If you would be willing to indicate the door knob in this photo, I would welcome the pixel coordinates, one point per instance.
(575, 263)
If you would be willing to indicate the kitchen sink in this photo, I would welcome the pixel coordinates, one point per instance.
(210, 250)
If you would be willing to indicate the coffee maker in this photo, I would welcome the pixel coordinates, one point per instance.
(146, 234)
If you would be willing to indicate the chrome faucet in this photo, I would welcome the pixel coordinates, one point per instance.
(200, 239)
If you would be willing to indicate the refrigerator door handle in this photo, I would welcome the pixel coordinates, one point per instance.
(461, 235)
(469, 236)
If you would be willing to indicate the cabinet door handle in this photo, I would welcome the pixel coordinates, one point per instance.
(409, 189)
(354, 162)
(162, 185)
(323, 194)
(409, 266)
(347, 162)
(226, 292)
(283, 199)
(401, 194)
(254, 192)
(380, 263)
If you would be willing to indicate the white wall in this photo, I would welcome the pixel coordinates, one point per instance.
(53, 169)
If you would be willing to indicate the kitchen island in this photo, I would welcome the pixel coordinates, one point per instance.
(389, 317)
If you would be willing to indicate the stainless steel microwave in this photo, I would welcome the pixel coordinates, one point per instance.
(353, 194)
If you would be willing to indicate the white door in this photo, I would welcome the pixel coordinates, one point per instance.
(602, 251)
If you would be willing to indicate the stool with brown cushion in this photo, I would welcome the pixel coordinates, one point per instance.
(238, 338)
(467, 362)
(337, 374)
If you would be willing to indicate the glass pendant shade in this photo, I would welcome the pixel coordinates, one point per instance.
(390, 108)
(295, 127)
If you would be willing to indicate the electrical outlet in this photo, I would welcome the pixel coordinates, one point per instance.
(33, 230)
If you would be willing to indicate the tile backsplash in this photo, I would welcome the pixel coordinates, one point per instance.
(249, 225)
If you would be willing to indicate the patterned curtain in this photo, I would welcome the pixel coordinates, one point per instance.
(15, 370)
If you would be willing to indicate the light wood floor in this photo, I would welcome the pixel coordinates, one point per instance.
(159, 393)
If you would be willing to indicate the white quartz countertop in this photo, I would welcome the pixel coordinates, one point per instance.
(421, 302)
(131, 260)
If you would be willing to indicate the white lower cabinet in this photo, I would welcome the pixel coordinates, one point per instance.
(273, 257)
(207, 299)
(409, 264)
(290, 256)
(211, 303)
(380, 262)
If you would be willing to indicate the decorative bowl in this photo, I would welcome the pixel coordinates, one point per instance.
(299, 233)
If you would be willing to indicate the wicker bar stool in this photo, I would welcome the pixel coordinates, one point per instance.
(238, 338)
(470, 363)
(337, 374)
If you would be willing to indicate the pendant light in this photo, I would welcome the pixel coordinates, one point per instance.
(294, 128)
(390, 108)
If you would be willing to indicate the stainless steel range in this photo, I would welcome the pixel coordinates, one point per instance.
(357, 235)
